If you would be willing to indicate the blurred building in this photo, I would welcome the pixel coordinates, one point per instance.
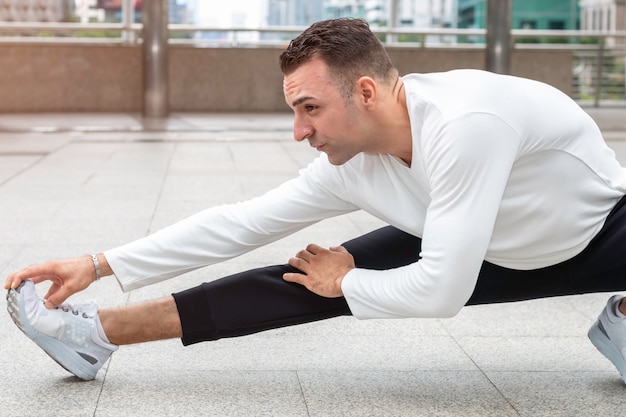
(113, 9)
(527, 14)
(179, 11)
(604, 15)
(294, 12)
(36, 10)
(334, 9)
(410, 13)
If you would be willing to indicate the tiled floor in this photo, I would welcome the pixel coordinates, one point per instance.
(74, 184)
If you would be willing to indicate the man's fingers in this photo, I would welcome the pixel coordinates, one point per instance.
(40, 278)
(338, 249)
(8, 284)
(14, 280)
(57, 297)
(35, 273)
(53, 288)
(314, 249)
(304, 255)
(298, 263)
(294, 277)
(307, 256)
(310, 251)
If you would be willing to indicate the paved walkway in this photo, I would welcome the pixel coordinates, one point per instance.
(75, 184)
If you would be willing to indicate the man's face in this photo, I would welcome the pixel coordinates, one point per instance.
(321, 114)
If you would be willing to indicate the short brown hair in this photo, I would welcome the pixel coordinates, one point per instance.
(347, 46)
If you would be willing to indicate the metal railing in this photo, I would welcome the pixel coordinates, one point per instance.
(599, 69)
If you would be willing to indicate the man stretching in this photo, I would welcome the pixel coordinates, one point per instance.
(495, 189)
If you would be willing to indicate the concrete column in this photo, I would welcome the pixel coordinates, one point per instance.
(498, 53)
(155, 36)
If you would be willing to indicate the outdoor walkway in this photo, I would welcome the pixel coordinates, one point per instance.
(75, 184)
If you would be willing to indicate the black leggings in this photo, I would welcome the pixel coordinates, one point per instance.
(259, 299)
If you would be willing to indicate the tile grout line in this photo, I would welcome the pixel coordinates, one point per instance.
(166, 172)
(100, 391)
(21, 171)
(306, 405)
(504, 397)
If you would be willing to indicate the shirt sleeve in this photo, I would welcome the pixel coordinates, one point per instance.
(223, 232)
(467, 162)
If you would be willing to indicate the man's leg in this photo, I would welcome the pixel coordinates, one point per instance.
(250, 301)
(601, 267)
(260, 299)
(145, 322)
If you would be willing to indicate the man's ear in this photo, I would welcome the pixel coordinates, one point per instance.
(366, 90)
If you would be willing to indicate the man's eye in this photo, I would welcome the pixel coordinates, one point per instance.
(310, 107)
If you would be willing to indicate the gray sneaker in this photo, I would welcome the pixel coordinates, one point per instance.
(608, 335)
(68, 333)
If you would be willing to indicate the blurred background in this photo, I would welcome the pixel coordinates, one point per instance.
(221, 56)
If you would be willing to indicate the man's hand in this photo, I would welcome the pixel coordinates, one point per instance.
(323, 269)
(68, 276)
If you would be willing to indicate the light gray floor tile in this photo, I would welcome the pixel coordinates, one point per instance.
(546, 317)
(313, 346)
(562, 394)
(590, 305)
(145, 391)
(32, 143)
(391, 394)
(229, 121)
(12, 165)
(96, 234)
(64, 121)
(217, 188)
(538, 354)
(32, 384)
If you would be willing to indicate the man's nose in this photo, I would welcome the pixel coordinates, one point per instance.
(302, 131)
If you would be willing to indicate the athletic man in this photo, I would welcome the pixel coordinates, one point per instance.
(496, 189)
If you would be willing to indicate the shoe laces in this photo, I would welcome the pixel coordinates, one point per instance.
(76, 310)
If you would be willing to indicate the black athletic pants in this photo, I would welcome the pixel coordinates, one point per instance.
(260, 299)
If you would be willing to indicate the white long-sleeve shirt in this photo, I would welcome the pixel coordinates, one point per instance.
(504, 169)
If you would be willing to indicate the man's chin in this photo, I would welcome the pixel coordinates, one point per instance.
(337, 160)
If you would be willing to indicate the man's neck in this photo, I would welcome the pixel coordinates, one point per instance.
(400, 125)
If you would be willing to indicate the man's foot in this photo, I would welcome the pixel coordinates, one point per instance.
(608, 335)
(71, 334)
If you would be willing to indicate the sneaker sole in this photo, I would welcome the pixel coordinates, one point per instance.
(62, 354)
(601, 341)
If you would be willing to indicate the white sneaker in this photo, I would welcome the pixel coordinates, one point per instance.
(71, 334)
(608, 335)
